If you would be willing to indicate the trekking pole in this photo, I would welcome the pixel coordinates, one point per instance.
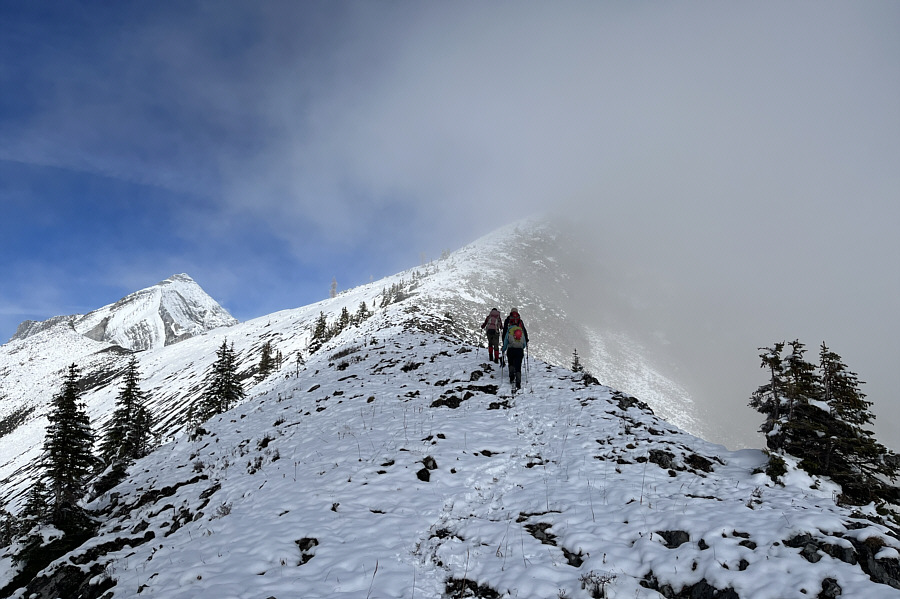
(527, 361)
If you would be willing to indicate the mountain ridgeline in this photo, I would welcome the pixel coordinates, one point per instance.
(522, 265)
(380, 454)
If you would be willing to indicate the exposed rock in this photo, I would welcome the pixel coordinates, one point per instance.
(700, 590)
(674, 538)
(663, 459)
(830, 589)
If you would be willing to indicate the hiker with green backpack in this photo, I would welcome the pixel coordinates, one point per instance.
(515, 340)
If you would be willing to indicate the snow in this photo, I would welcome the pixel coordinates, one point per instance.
(156, 316)
(334, 455)
(314, 486)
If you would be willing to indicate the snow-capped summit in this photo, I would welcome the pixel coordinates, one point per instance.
(168, 312)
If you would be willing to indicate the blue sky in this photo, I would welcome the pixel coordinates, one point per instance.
(735, 163)
(125, 127)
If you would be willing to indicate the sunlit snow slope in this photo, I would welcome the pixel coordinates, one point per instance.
(522, 266)
(398, 464)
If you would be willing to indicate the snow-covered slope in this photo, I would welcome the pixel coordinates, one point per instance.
(396, 463)
(32, 362)
(528, 265)
(523, 266)
(393, 462)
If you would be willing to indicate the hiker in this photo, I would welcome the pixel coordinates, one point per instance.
(491, 326)
(515, 340)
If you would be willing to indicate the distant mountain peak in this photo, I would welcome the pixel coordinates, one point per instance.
(165, 313)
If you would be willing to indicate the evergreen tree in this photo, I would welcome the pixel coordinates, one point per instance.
(266, 361)
(362, 313)
(320, 333)
(343, 320)
(852, 456)
(805, 422)
(128, 436)
(803, 385)
(792, 386)
(298, 362)
(769, 399)
(67, 449)
(9, 527)
(816, 415)
(576, 363)
(36, 510)
(841, 389)
(223, 389)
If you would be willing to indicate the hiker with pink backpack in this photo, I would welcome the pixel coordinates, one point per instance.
(515, 340)
(491, 326)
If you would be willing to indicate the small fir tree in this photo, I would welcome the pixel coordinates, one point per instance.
(223, 389)
(129, 433)
(67, 457)
(36, 509)
(362, 313)
(852, 456)
(576, 363)
(266, 361)
(298, 362)
(841, 389)
(320, 333)
(9, 527)
(343, 320)
(803, 385)
(768, 398)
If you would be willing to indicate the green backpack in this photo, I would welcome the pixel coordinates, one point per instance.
(515, 337)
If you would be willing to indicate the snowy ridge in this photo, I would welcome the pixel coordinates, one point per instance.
(398, 464)
(528, 265)
(394, 462)
(520, 265)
